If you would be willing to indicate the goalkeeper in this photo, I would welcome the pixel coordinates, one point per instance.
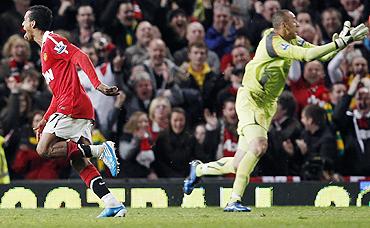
(256, 101)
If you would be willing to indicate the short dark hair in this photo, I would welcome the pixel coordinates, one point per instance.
(288, 103)
(42, 15)
(316, 113)
(279, 17)
(178, 110)
(198, 44)
(331, 88)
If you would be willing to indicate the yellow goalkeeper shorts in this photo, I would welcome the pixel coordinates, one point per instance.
(254, 121)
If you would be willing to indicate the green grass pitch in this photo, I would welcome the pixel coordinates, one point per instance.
(178, 217)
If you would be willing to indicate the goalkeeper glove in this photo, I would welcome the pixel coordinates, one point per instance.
(343, 33)
(356, 34)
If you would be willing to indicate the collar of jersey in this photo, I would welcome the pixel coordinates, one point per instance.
(45, 36)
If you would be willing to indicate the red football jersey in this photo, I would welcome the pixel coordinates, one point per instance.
(59, 71)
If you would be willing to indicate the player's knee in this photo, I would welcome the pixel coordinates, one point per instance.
(42, 151)
(259, 147)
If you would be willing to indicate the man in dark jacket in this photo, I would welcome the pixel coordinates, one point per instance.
(354, 126)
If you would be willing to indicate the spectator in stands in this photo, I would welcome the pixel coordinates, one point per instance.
(142, 95)
(358, 65)
(195, 33)
(304, 17)
(331, 22)
(176, 147)
(337, 91)
(164, 74)
(240, 56)
(159, 113)
(65, 18)
(200, 132)
(122, 27)
(352, 10)
(261, 20)
(30, 82)
(298, 6)
(201, 77)
(11, 20)
(29, 165)
(354, 126)
(135, 148)
(16, 52)
(281, 158)
(310, 89)
(221, 138)
(104, 47)
(230, 91)
(104, 106)
(221, 35)
(172, 24)
(13, 116)
(137, 53)
(318, 144)
(85, 26)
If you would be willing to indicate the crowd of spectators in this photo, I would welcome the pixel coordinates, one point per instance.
(178, 65)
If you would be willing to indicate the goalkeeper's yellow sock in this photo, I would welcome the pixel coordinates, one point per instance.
(222, 166)
(243, 172)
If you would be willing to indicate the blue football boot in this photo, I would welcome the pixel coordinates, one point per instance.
(108, 156)
(236, 207)
(113, 212)
(192, 179)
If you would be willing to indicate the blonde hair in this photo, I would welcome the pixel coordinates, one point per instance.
(155, 102)
(7, 49)
(132, 124)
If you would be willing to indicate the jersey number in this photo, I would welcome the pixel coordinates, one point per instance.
(48, 75)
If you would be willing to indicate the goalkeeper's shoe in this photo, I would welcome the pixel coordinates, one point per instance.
(109, 157)
(113, 212)
(236, 207)
(192, 179)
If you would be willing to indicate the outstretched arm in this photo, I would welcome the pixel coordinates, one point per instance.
(286, 50)
(81, 59)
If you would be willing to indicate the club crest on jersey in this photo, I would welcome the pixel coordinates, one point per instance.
(285, 46)
(60, 47)
(45, 56)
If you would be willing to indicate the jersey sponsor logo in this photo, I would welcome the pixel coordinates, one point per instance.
(285, 46)
(48, 75)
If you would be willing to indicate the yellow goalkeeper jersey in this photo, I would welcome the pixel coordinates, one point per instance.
(265, 75)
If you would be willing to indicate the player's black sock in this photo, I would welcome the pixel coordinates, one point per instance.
(98, 186)
(85, 150)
